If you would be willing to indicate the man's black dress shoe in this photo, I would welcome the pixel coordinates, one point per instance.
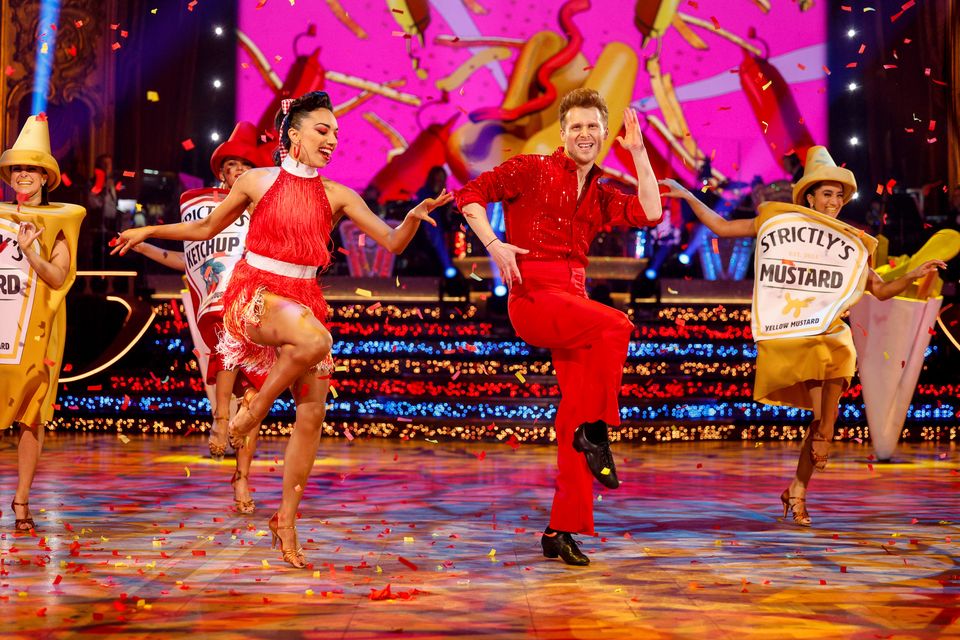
(591, 440)
(563, 545)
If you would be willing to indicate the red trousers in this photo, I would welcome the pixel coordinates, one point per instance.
(588, 342)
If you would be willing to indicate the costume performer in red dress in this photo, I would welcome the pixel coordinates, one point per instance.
(553, 207)
(274, 307)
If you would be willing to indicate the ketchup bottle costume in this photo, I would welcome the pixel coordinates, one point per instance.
(588, 340)
(287, 244)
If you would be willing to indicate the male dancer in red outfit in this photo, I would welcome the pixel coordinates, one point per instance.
(553, 207)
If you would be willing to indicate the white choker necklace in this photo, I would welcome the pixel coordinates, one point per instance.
(298, 168)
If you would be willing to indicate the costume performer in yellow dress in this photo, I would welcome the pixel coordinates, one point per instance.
(38, 264)
(273, 307)
(810, 268)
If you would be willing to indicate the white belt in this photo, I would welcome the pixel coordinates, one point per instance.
(280, 267)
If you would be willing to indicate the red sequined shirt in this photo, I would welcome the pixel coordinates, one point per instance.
(541, 209)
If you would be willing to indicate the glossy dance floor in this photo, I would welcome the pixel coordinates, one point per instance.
(424, 540)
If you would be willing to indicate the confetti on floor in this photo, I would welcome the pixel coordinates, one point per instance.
(128, 546)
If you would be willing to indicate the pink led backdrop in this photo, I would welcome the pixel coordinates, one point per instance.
(743, 95)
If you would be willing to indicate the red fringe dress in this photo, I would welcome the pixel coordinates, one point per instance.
(290, 224)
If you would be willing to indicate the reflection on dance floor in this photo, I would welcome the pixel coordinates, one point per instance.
(421, 539)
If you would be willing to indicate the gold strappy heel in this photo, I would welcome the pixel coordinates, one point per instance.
(22, 525)
(237, 436)
(218, 441)
(798, 506)
(247, 506)
(293, 557)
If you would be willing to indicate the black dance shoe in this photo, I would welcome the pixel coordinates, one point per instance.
(563, 545)
(591, 440)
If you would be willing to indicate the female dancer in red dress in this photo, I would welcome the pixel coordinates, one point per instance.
(274, 307)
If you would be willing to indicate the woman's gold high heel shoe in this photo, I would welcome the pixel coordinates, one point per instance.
(293, 557)
(218, 440)
(237, 434)
(819, 460)
(796, 505)
(22, 525)
(247, 506)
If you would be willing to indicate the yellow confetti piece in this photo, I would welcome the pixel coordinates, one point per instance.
(600, 497)
(153, 11)
(366, 293)
(333, 392)
(141, 604)
(316, 574)
(520, 378)
(492, 553)
(124, 439)
(476, 277)
(153, 96)
(44, 48)
(408, 538)
(309, 592)
(22, 594)
(187, 470)
(341, 368)
(266, 565)
(104, 539)
(379, 569)
(398, 282)
(605, 471)
(766, 86)
(886, 356)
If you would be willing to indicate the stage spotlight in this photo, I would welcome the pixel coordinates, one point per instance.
(450, 272)
(854, 141)
(853, 86)
(855, 196)
(851, 33)
(651, 274)
(214, 136)
(218, 30)
(500, 290)
(46, 46)
(216, 83)
(684, 258)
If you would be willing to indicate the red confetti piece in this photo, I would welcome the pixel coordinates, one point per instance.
(199, 552)
(58, 579)
(931, 331)
(716, 23)
(187, 144)
(49, 362)
(115, 46)
(95, 387)
(129, 174)
(823, 581)
(65, 179)
(843, 569)
(409, 564)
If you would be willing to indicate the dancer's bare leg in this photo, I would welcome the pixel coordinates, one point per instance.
(245, 455)
(29, 447)
(825, 397)
(310, 394)
(303, 342)
(223, 390)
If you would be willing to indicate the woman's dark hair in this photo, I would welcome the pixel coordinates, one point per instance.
(299, 108)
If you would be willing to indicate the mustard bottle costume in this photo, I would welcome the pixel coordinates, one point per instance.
(809, 268)
(32, 313)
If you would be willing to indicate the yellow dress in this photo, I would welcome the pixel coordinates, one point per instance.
(784, 365)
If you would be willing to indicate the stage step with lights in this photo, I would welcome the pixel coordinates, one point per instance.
(446, 371)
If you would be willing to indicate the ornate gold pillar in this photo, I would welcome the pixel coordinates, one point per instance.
(953, 101)
(82, 85)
